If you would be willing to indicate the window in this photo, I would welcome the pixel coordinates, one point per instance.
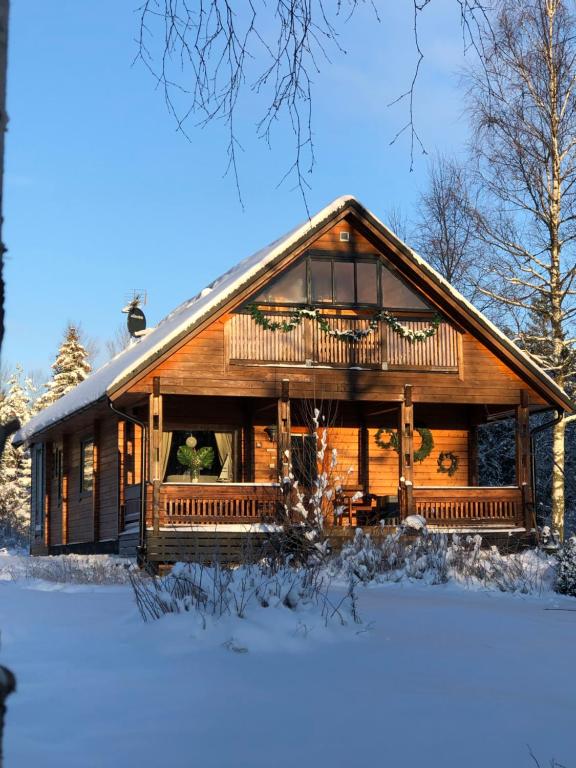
(58, 471)
(323, 280)
(304, 459)
(396, 294)
(214, 461)
(86, 465)
(290, 288)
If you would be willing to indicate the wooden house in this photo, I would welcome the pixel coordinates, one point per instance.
(338, 311)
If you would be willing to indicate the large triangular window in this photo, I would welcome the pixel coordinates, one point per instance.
(335, 281)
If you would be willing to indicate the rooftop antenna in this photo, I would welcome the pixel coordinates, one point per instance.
(136, 319)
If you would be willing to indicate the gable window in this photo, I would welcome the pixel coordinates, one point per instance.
(86, 465)
(323, 279)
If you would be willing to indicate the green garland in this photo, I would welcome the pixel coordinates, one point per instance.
(422, 453)
(382, 316)
(452, 467)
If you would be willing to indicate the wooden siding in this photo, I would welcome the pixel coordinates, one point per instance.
(73, 521)
(108, 480)
(200, 367)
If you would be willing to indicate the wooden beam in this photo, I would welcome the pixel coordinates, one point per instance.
(363, 454)
(155, 432)
(473, 476)
(524, 458)
(406, 448)
(284, 429)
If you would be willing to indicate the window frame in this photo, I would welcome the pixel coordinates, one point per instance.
(58, 471)
(237, 457)
(84, 491)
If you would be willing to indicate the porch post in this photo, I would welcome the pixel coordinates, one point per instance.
(473, 476)
(524, 459)
(155, 430)
(284, 427)
(406, 450)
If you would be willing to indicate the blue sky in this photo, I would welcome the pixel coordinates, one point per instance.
(102, 195)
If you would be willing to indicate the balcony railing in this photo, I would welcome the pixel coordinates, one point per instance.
(307, 344)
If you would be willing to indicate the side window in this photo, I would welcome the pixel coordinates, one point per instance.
(38, 489)
(86, 465)
(58, 471)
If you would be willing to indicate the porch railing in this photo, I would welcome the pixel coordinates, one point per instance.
(250, 343)
(458, 506)
(198, 504)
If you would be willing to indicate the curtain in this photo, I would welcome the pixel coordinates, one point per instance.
(165, 446)
(224, 444)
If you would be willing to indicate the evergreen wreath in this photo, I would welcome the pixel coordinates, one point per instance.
(451, 468)
(382, 316)
(422, 453)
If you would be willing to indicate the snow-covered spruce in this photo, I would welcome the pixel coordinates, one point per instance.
(15, 403)
(70, 368)
(566, 574)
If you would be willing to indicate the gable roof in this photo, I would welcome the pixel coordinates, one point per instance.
(183, 319)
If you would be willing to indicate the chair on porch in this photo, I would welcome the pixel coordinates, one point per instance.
(357, 506)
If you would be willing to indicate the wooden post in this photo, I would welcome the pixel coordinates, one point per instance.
(284, 428)
(155, 430)
(96, 480)
(406, 449)
(524, 458)
(65, 487)
(364, 457)
(473, 476)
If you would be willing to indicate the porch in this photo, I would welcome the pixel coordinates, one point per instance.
(383, 475)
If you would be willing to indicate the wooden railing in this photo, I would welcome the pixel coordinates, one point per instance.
(197, 504)
(461, 506)
(308, 344)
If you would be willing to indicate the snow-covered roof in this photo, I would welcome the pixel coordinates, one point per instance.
(183, 319)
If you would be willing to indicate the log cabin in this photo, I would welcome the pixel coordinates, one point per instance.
(339, 311)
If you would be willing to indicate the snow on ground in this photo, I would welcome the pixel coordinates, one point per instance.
(435, 676)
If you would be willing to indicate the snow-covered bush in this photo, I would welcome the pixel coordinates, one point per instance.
(216, 591)
(566, 573)
(361, 557)
(69, 569)
(436, 558)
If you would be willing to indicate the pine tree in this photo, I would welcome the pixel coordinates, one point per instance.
(69, 369)
(15, 403)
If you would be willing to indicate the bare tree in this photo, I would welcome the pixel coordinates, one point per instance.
(523, 108)
(205, 55)
(445, 232)
(119, 341)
